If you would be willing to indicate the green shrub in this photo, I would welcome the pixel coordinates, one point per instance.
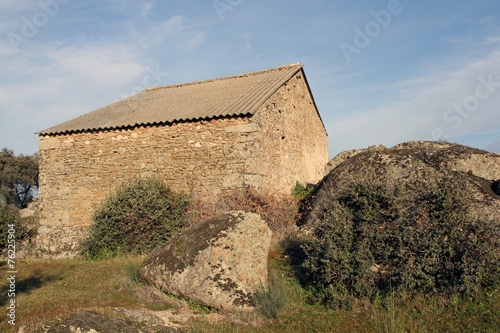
(374, 238)
(299, 191)
(140, 215)
(9, 215)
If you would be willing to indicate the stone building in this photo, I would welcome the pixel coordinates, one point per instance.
(258, 129)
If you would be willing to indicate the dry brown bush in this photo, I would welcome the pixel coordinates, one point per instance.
(278, 210)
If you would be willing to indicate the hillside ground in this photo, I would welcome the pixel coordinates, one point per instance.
(49, 291)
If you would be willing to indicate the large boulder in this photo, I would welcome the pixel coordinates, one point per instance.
(412, 164)
(454, 157)
(442, 154)
(345, 155)
(219, 262)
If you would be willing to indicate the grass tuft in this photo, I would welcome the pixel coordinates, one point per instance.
(272, 300)
(387, 316)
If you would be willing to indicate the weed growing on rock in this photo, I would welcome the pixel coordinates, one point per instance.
(300, 191)
(140, 215)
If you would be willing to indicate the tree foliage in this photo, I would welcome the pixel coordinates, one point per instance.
(18, 177)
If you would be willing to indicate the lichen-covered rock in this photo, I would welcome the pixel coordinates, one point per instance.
(410, 164)
(219, 262)
(345, 155)
(454, 157)
(446, 155)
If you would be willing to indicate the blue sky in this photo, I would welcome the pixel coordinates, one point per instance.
(381, 72)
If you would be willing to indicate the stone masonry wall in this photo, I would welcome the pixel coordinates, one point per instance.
(293, 139)
(283, 142)
(77, 171)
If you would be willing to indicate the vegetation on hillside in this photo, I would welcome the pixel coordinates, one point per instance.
(385, 255)
(374, 239)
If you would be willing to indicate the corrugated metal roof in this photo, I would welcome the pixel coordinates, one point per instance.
(228, 96)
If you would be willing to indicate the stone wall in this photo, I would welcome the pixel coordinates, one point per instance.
(77, 171)
(292, 139)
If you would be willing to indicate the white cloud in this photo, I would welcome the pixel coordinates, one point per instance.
(176, 32)
(60, 83)
(13, 6)
(157, 33)
(420, 105)
(492, 39)
(96, 65)
(146, 9)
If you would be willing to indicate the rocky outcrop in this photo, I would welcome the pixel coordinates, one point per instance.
(92, 322)
(412, 164)
(445, 155)
(219, 262)
(455, 157)
(345, 155)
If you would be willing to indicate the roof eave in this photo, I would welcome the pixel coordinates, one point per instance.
(312, 97)
(164, 123)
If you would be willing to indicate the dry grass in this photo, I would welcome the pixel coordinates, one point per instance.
(48, 290)
(278, 210)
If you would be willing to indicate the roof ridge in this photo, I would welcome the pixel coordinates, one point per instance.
(178, 85)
